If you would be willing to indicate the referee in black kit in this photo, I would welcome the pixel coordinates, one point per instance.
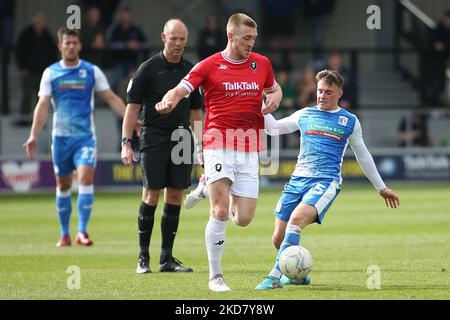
(152, 80)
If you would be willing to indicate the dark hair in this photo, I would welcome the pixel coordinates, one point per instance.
(330, 77)
(63, 31)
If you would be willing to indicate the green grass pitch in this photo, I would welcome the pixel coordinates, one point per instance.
(410, 246)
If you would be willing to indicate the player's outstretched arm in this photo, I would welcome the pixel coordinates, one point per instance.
(285, 125)
(171, 99)
(369, 168)
(39, 119)
(390, 197)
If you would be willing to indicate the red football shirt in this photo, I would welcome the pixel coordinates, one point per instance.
(232, 92)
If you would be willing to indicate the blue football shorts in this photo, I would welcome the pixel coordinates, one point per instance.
(318, 192)
(68, 153)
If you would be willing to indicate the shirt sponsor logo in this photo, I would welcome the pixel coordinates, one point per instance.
(72, 84)
(343, 120)
(244, 85)
(82, 73)
(325, 130)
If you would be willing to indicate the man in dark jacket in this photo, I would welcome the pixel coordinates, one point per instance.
(210, 39)
(437, 61)
(317, 13)
(126, 42)
(35, 50)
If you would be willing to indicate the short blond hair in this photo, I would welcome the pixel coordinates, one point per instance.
(239, 19)
(330, 77)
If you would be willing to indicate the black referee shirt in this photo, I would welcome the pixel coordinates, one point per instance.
(152, 80)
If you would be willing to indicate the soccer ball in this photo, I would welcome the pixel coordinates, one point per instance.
(296, 262)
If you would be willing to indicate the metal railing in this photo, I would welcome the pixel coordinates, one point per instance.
(413, 29)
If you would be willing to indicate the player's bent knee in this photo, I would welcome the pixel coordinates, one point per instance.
(242, 222)
(304, 219)
(220, 212)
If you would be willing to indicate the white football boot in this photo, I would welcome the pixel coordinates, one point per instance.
(197, 194)
(217, 284)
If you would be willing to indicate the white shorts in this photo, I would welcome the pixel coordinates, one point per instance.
(240, 167)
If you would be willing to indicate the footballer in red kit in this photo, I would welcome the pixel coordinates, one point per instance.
(232, 92)
(233, 82)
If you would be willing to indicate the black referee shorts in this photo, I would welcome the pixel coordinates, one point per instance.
(158, 169)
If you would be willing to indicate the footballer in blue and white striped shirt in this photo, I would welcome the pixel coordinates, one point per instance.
(326, 130)
(69, 86)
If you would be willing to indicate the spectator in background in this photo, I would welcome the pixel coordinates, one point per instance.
(437, 61)
(35, 50)
(93, 37)
(125, 41)
(288, 104)
(306, 88)
(211, 39)
(413, 132)
(317, 14)
(6, 23)
(348, 98)
(278, 29)
(6, 39)
(107, 8)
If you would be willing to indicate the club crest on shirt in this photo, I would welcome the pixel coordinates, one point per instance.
(82, 73)
(253, 65)
(343, 120)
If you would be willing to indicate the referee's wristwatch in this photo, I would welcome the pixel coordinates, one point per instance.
(125, 140)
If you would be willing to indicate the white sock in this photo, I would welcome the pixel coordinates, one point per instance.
(215, 241)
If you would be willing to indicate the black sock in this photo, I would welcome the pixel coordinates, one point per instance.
(145, 225)
(169, 226)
